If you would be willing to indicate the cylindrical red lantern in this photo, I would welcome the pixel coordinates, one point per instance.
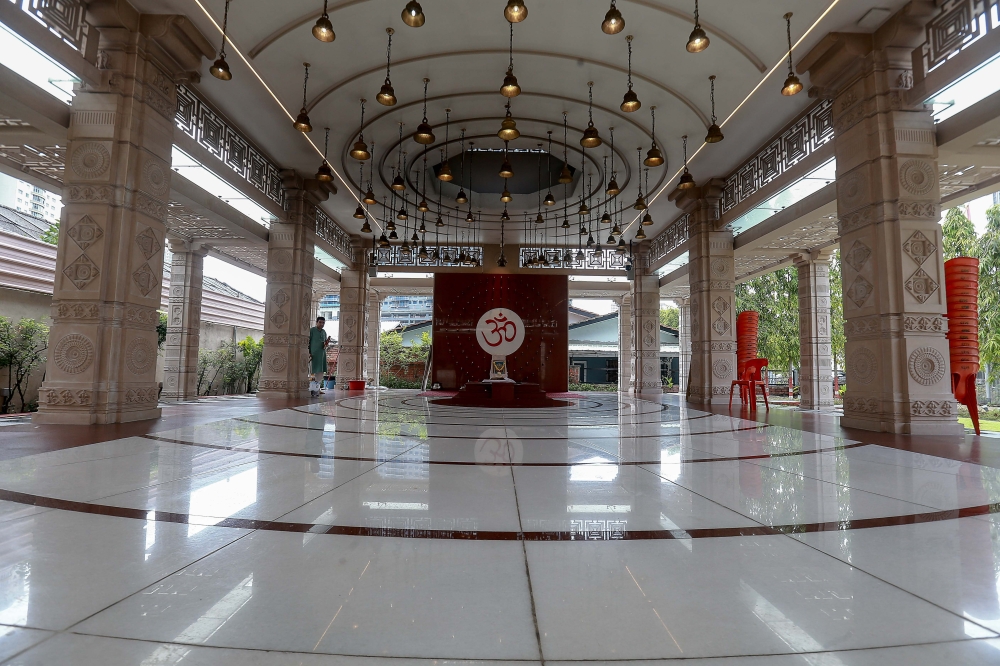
(961, 280)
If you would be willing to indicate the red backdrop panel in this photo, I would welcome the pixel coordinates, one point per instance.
(542, 302)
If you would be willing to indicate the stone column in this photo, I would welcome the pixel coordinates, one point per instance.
(353, 311)
(645, 380)
(711, 276)
(684, 342)
(102, 346)
(888, 202)
(180, 364)
(288, 311)
(816, 366)
(624, 343)
(373, 318)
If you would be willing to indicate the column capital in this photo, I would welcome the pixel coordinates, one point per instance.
(179, 45)
(181, 246)
(809, 256)
(313, 191)
(839, 58)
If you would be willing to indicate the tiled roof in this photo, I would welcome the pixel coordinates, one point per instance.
(14, 222)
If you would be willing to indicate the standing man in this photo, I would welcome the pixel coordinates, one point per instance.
(318, 340)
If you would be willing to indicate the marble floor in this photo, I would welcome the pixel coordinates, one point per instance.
(387, 529)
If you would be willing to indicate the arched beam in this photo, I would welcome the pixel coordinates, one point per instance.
(710, 28)
(525, 52)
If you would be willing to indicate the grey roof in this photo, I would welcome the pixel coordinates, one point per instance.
(219, 287)
(14, 222)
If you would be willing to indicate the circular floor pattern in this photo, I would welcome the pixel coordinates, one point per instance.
(394, 405)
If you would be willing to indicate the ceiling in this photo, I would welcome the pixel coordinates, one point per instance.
(463, 50)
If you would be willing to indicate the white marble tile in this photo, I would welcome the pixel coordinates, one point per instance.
(99, 477)
(17, 639)
(15, 510)
(776, 497)
(964, 653)
(416, 496)
(342, 595)
(62, 566)
(259, 490)
(619, 497)
(82, 650)
(953, 563)
(968, 485)
(720, 597)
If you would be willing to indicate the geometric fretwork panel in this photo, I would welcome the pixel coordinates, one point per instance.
(551, 257)
(670, 238)
(818, 234)
(812, 130)
(196, 119)
(184, 222)
(445, 255)
(749, 264)
(958, 24)
(63, 18)
(46, 160)
(331, 232)
(957, 178)
(255, 256)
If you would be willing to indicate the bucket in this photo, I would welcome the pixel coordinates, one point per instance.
(356, 385)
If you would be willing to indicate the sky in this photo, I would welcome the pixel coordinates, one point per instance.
(975, 210)
(254, 286)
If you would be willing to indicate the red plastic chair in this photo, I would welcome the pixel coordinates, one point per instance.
(752, 377)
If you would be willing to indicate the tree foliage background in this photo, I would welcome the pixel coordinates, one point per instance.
(22, 351)
(670, 317)
(987, 248)
(775, 297)
(393, 356)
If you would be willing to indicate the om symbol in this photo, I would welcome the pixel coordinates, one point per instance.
(500, 332)
(504, 329)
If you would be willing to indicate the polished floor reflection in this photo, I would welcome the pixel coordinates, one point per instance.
(386, 529)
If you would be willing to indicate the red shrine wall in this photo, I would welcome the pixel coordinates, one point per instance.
(542, 302)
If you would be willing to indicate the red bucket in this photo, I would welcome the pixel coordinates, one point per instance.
(963, 262)
(356, 385)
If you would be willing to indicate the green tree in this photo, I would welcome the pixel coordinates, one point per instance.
(22, 350)
(51, 235)
(161, 330)
(252, 352)
(989, 293)
(393, 355)
(838, 339)
(775, 297)
(959, 235)
(670, 317)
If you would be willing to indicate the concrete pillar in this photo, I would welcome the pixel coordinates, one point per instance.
(645, 380)
(816, 366)
(180, 364)
(351, 363)
(888, 202)
(373, 318)
(101, 364)
(288, 313)
(712, 305)
(624, 343)
(684, 340)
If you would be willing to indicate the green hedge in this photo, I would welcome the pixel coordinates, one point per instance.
(609, 388)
